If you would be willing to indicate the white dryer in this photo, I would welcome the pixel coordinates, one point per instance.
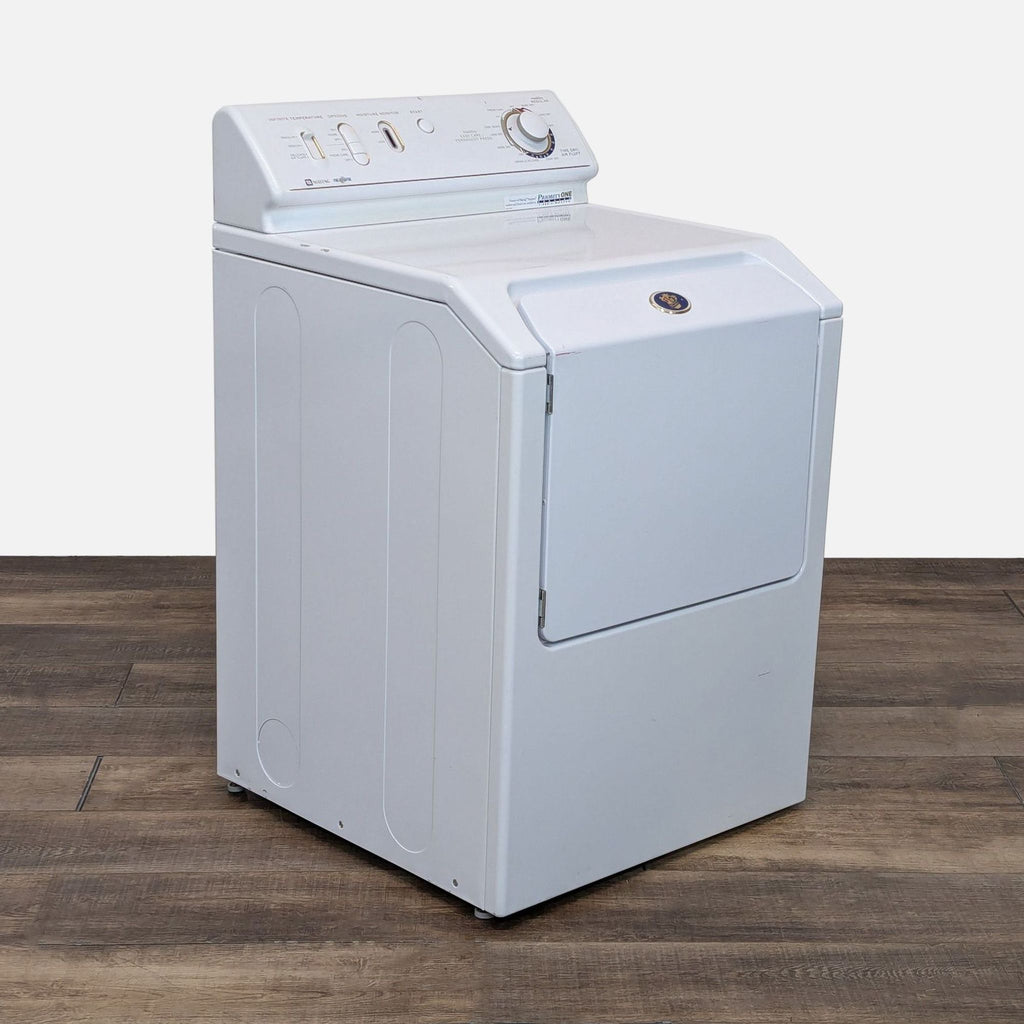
(520, 500)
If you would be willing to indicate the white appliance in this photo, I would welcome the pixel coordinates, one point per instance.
(520, 500)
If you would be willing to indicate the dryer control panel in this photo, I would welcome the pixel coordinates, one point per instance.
(296, 166)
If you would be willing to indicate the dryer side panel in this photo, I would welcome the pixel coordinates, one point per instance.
(357, 438)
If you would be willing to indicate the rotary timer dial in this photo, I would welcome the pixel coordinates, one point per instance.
(528, 132)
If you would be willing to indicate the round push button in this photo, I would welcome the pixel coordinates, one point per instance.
(425, 126)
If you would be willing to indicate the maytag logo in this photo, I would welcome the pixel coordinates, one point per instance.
(670, 302)
(317, 181)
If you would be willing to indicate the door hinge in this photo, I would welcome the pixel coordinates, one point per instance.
(549, 403)
(542, 609)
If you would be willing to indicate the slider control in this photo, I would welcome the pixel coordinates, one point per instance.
(390, 133)
(354, 143)
(312, 145)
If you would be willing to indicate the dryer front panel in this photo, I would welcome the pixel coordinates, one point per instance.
(678, 441)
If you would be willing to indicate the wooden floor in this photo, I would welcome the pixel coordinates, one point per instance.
(134, 888)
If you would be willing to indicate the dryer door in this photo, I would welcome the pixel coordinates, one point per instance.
(678, 444)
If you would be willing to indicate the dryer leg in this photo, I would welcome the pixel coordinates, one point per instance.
(234, 787)
(481, 915)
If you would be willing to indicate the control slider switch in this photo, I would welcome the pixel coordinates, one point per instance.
(313, 145)
(354, 143)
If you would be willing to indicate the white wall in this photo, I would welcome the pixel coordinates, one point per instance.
(881, 142)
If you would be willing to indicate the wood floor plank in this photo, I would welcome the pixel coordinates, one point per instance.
(870, 643)
(353, 982)
(113, 730)
(925, 783)
(805, 906)
(488, 980)
(648, 906)
(21, 898)
(125, 609)
(806, 838)
(42, 783)
(171, 684)
(919, 607)
(87, 572)
(921, 732)
(1012, 769)
(239, 838)
(170, 784)
(55, 645)
(40, 684)
(243, 837)
(958, 683)
(875, 574)
(771, 984)
(359, 903)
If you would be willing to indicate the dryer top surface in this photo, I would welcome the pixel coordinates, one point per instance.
(486, 266)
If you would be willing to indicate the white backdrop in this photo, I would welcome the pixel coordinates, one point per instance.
(882, 143)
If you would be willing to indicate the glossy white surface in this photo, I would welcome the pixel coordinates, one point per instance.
(525, 243)
(514, 645)
(482, 265)
(267, 177)
(678, 447)
(653, 735)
